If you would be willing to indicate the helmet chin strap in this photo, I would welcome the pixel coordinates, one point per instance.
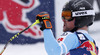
(74, 29)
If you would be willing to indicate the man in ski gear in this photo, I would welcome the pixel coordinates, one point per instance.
(77, 16)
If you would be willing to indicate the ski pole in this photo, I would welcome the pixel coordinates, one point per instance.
(36, 22)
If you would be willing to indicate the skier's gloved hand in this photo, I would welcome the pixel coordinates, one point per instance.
(44, 19)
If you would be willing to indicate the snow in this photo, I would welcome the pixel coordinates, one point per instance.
(30, 49)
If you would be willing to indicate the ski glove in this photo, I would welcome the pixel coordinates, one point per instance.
(44, 19)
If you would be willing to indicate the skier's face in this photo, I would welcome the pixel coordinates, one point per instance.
(68, 25)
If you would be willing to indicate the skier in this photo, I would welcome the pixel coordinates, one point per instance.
(77, 16)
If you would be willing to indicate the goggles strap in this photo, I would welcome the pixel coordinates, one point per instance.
(83, 13)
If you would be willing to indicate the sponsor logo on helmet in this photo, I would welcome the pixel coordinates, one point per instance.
(83, 13)
(80, 13)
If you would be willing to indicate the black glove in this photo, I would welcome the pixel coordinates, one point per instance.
(44, 19)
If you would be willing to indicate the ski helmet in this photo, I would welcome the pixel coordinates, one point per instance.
(80, 10)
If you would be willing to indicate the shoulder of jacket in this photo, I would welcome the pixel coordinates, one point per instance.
(64, 35)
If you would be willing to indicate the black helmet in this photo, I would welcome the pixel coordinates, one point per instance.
(82, 11)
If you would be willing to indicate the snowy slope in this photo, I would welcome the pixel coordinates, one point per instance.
(33, 49)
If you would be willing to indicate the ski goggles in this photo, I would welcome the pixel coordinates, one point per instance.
(68, 15)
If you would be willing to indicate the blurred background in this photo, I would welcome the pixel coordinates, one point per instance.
(15, 15)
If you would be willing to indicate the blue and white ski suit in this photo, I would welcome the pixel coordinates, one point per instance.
(76, 43)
